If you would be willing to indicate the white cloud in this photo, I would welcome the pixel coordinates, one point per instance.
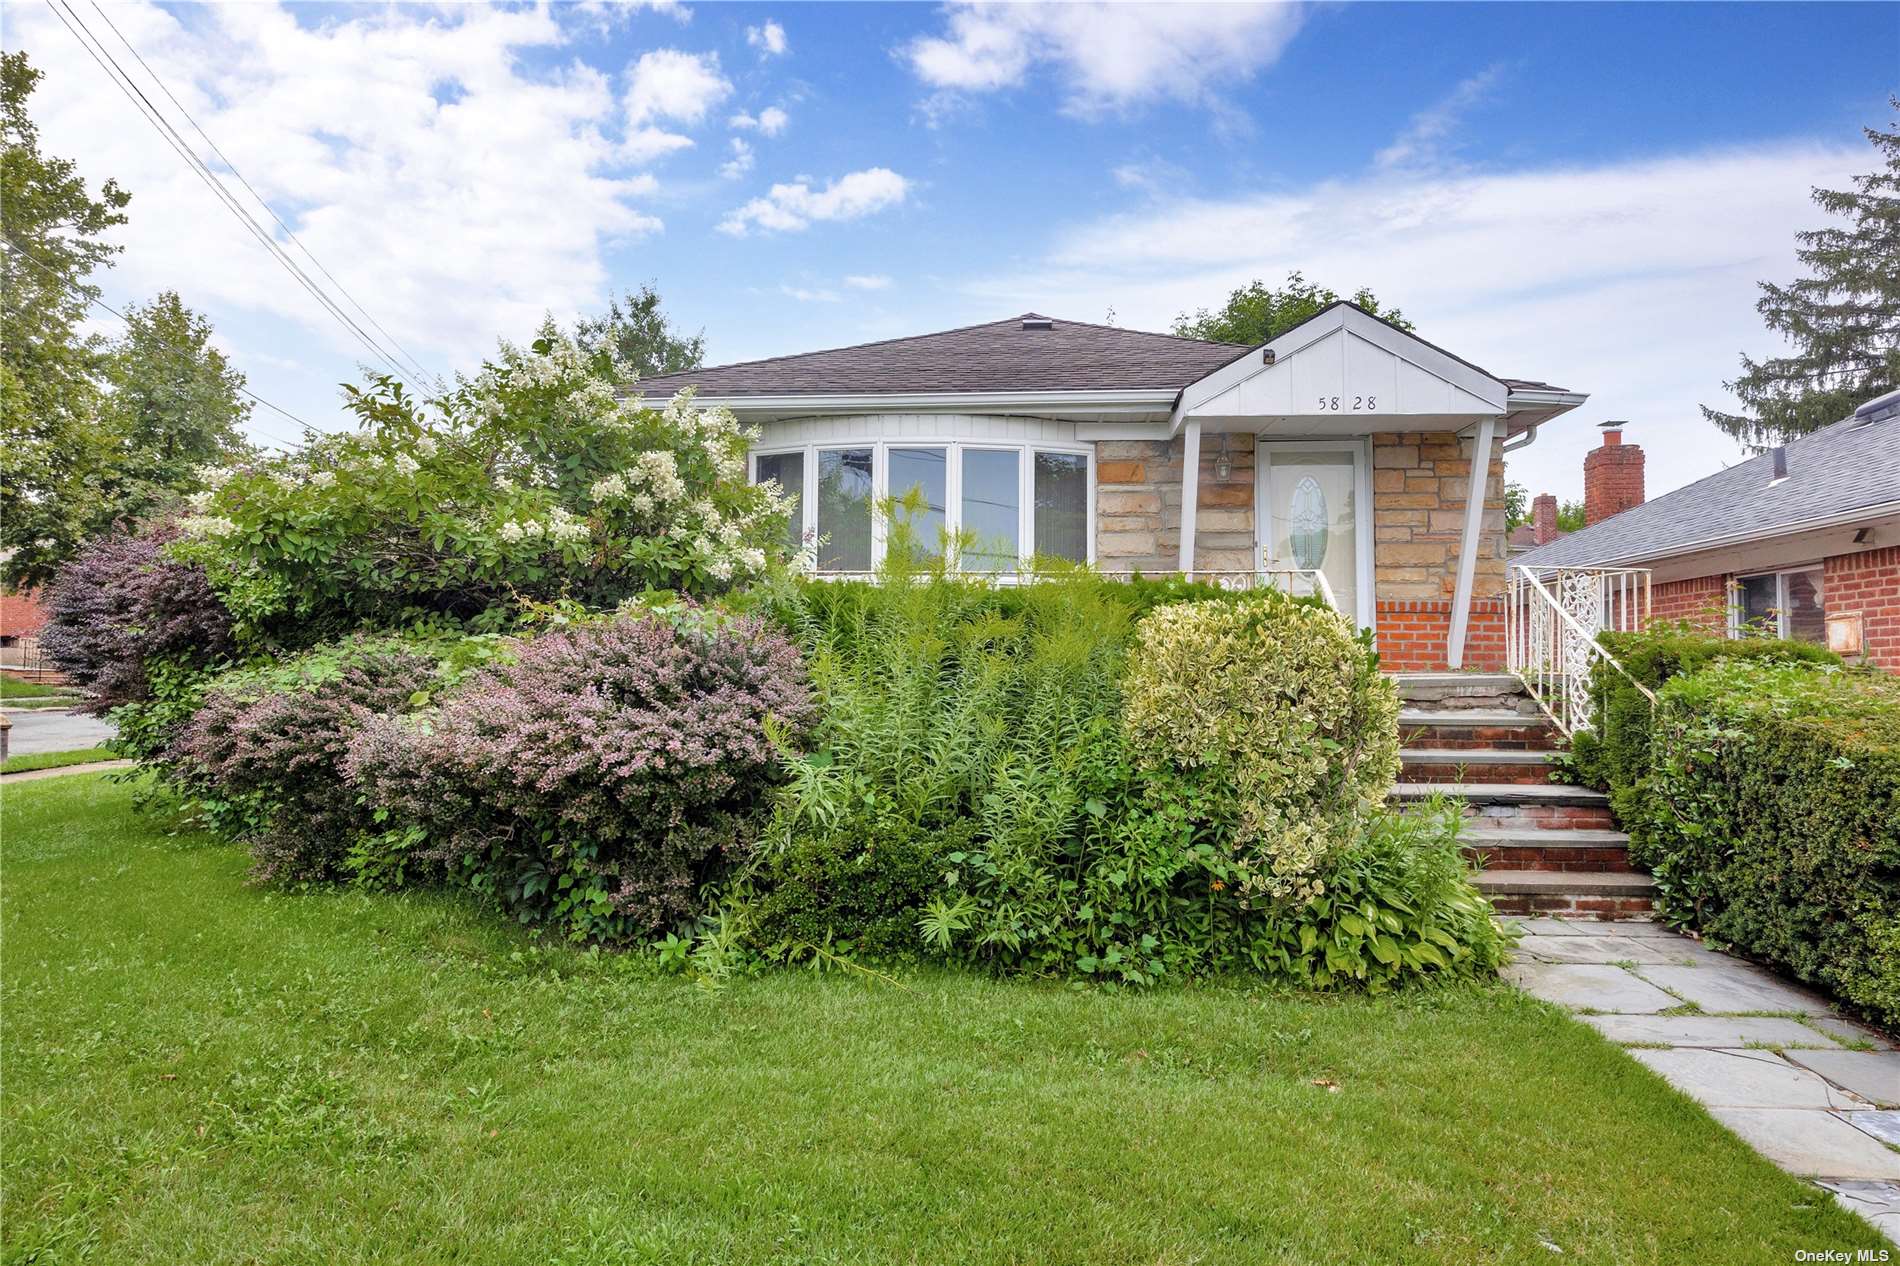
(606, 14)
(868, 281)
(769, 39)
(771, 121)
(1423, 142)
(791, 207)
(1110, 56)
(1633, 281)
(669, 84)
(456, 193)
(741, 161)
(811, 296)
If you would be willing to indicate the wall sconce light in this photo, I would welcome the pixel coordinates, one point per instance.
(1223, 465)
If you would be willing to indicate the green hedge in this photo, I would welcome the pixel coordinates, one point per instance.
(1774, 807)
(1615, 755)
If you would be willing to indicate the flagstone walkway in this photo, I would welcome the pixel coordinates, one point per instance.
(1815, 1093)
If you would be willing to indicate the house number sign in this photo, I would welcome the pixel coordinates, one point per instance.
(1358, 404)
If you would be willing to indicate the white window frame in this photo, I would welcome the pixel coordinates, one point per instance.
(953, 483)
(1737, 625)
(1360, 449)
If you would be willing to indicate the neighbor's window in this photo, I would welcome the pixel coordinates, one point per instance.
(1007, 501)
(1781, 604)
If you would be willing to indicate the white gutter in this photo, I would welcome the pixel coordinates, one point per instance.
(1144, 402)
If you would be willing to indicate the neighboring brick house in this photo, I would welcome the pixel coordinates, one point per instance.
(1345, 445)
(1803, 540)
(20, 619)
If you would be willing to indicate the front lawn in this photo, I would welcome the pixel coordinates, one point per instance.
(12, 687)
(55, 760)
(199, 1070)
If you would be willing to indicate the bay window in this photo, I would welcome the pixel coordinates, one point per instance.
(1004, 502)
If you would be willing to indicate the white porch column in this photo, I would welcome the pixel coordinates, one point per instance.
(1190, 492)
(1474, 530)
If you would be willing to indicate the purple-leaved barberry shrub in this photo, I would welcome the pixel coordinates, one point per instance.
(602, 776)
(263, 755)
(123, 603)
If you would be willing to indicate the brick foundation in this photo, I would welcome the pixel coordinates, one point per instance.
(1413, 634)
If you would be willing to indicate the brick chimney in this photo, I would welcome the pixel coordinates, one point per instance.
(1612, 476)
(1544, 518)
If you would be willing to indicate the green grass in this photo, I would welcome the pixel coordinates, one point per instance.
(55, 760)
(199, 1070)
(13, 688)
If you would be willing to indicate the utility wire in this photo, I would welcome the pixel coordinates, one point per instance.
(21, 251)
(144, 105)
(222, 157)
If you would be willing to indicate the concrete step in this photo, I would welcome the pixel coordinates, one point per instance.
(1602, 896)
(1464, 691)
(1549, 793)
(1476, 728)
(1451, 764)
(1533, 847)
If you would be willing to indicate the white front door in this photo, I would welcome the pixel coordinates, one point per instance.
(1314, 511)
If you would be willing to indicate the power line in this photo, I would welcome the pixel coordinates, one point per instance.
(22, 252)
(169, 134)
(222, 157)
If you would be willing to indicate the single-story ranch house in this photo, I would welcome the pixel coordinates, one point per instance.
(1801, 541)
(1343, 446)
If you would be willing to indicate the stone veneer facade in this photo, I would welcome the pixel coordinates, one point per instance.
(1419, 482)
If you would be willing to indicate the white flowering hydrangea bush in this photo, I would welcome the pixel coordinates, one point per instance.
(542, 478)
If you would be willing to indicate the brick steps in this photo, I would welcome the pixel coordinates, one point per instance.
(1544, 848)
(1453, 764)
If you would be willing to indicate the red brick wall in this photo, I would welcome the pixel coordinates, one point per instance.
(1413, 634)
(1701, 599)
(1870, 584)
(20, 614)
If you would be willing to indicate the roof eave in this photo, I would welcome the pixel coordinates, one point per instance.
(1134, 403)
(1837, 518)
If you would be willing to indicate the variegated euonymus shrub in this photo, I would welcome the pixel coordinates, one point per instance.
(1268, 718)
(542, 477)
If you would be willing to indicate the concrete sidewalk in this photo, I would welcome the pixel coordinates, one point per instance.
(1817, 1094)
(54, 731)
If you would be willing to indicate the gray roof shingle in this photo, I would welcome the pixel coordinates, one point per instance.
(1834, 471)
(997, 356)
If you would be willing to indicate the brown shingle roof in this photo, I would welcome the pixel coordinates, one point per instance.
(998, 356)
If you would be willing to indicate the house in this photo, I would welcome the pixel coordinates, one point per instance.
(1802, 541)
(1345, 446)
(21, 617)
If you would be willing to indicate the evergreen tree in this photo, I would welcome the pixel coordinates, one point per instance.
(1256, 312)
(1843, 319)
(640, 335)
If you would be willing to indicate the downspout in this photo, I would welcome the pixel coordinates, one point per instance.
(1468, 559)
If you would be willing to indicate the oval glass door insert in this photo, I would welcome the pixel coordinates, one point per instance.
(1307, 521)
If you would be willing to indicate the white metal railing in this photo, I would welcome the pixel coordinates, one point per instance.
(1552, 619)
(1298, 581)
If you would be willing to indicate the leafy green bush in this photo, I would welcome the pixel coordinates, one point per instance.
(1775, 812)
(1397, 906)
(1614, 756)
(974, 792)
(533, 480)
(1271, 720)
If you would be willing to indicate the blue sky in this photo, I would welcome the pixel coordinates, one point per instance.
(1581, 193)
